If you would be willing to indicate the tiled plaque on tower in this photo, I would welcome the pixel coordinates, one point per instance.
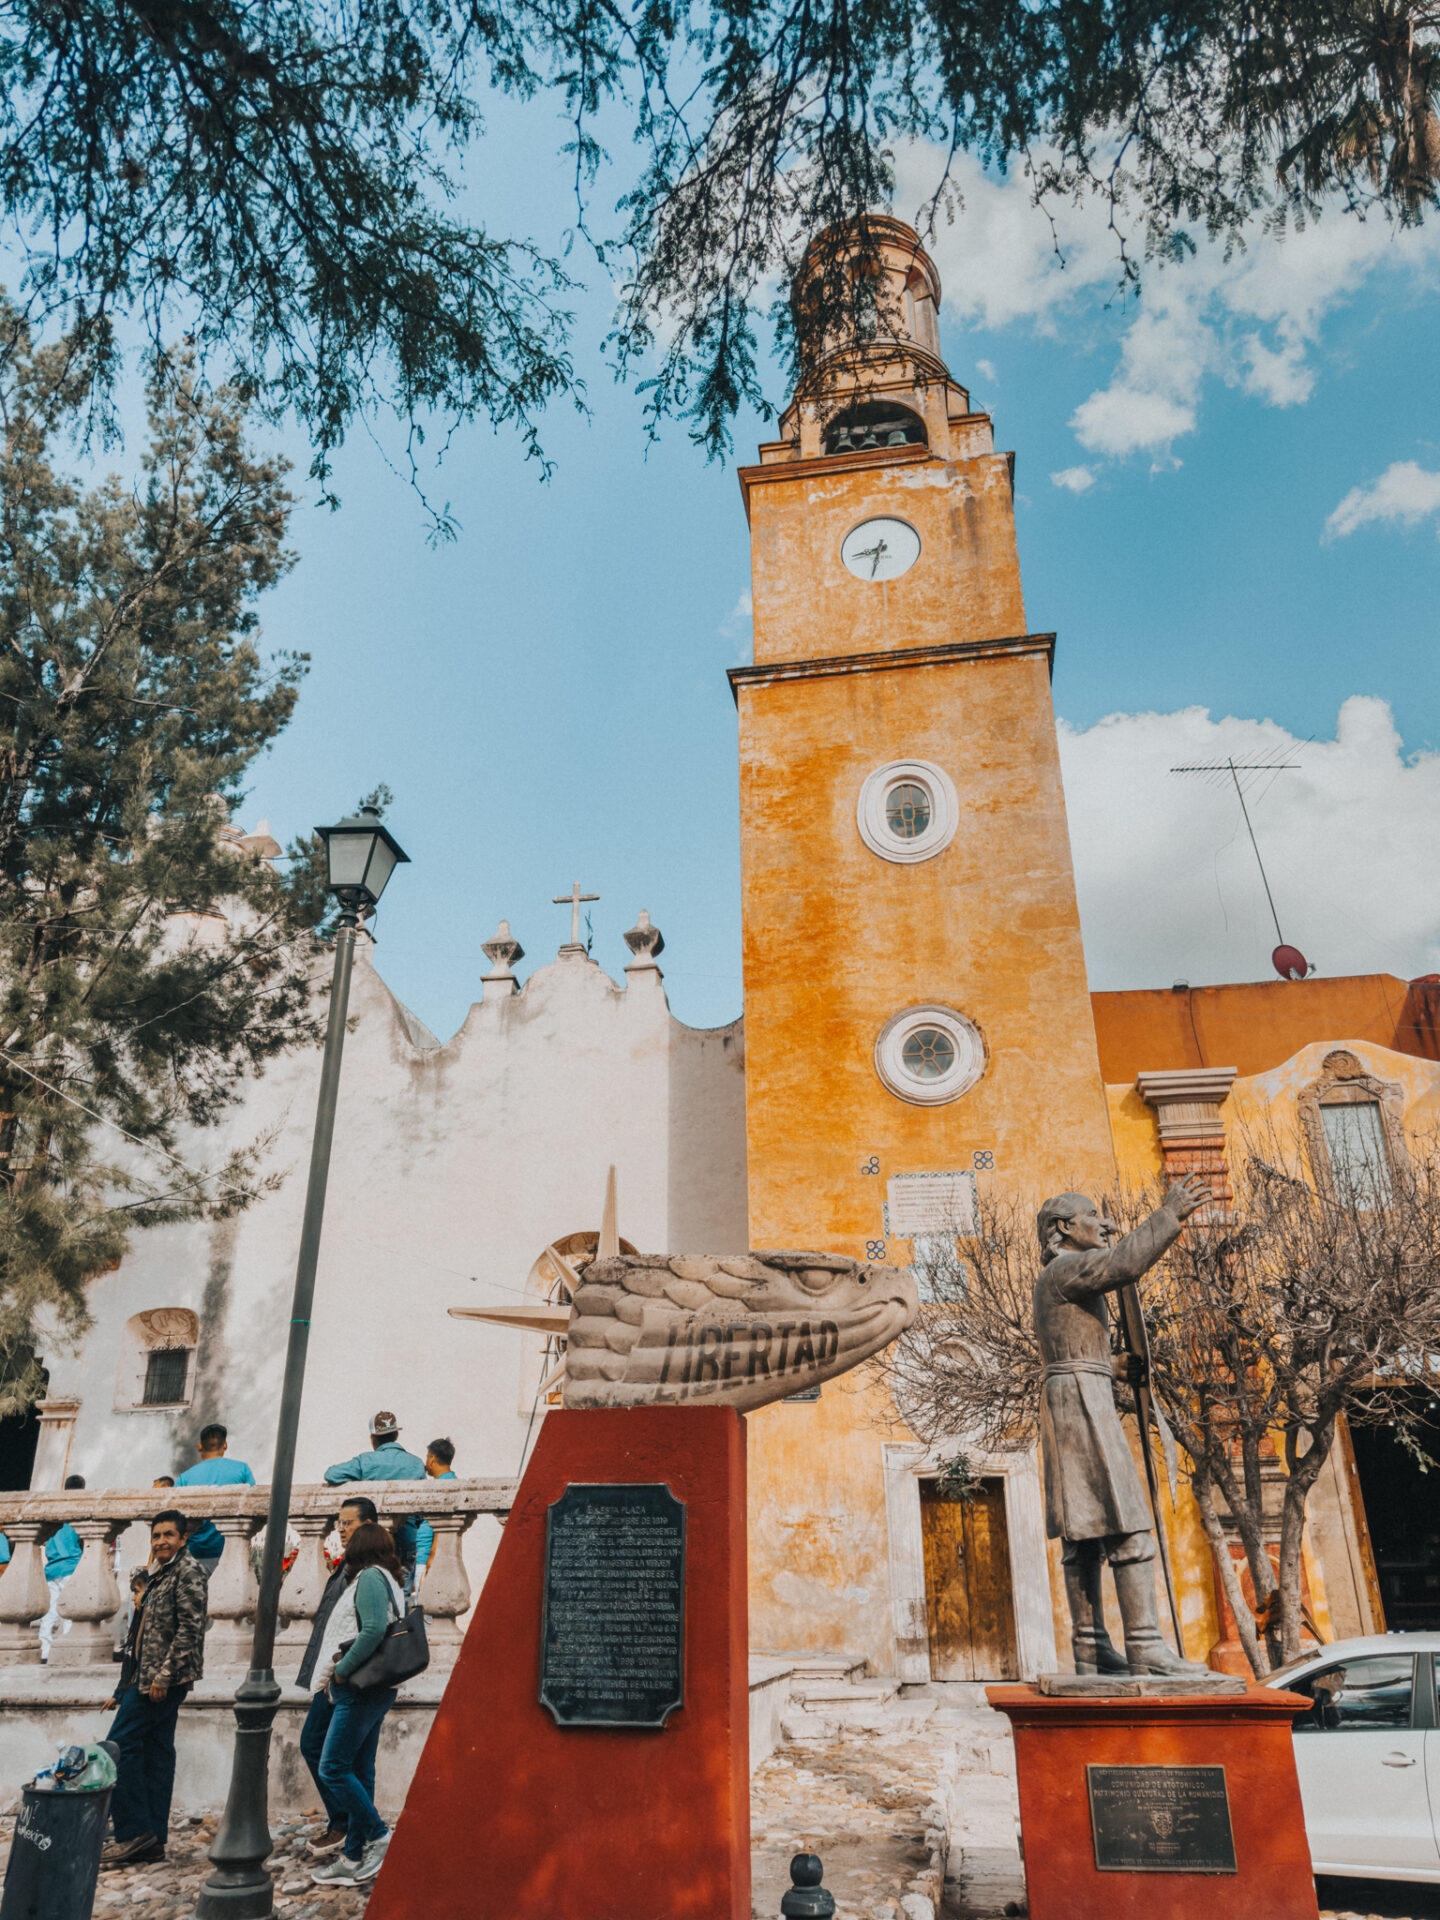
(612, 1650)
(924, 1203)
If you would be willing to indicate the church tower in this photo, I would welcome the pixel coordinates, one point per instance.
(917, 1019)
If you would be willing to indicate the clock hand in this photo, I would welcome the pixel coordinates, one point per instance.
(879, 549)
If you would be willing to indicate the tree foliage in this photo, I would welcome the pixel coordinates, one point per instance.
(1303, 1306)
(148, 961)
(291, 178)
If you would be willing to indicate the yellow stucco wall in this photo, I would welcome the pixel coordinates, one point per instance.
(837, 939)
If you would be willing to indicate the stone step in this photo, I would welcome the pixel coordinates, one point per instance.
(861, 1693)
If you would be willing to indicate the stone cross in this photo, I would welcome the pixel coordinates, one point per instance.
(572, 900)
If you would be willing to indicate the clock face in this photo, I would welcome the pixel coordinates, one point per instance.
(880, 549)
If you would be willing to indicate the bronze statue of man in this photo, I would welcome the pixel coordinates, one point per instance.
(1093, 1498)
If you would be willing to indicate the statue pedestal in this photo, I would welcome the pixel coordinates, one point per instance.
(511, 1813)
(1176, 1807)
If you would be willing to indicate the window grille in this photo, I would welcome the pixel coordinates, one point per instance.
(167, 1371)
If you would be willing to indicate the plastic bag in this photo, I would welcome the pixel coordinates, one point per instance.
(77, 1769)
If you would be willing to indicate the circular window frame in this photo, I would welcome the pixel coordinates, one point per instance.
(875, 828)
(964, 1036)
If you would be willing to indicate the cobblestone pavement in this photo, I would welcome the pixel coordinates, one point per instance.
(909, 1801)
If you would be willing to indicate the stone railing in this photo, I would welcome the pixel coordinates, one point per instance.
(93, 1600)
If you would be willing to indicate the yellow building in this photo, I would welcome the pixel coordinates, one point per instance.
(916, 1009)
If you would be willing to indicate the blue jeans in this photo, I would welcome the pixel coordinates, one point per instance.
(346, 1775)
(312, 1745)
(144, 1731)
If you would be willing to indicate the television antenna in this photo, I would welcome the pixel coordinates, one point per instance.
(1287, 961)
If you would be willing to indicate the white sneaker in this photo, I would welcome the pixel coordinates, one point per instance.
(371, 1859)
(342, 1871)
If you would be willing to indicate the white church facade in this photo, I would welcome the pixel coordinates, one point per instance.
(454, 1166)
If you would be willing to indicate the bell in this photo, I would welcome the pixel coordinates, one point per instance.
(897, 437)
(844, 444)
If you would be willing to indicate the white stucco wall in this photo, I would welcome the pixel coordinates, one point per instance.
(453, 1165)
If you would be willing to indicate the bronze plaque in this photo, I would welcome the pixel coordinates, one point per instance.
(1160, 1820)
(612, 1647)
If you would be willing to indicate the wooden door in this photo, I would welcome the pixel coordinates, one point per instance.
(968, 1597)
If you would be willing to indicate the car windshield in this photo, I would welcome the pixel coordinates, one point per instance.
(1282, 1674)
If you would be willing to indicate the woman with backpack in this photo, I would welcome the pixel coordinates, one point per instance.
(373, 1598)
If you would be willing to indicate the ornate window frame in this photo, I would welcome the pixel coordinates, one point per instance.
(156, 1330)
(1344, 1081)
(875, 829)
(971, 1055)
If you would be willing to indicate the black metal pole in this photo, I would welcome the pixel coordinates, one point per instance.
(240, 1887)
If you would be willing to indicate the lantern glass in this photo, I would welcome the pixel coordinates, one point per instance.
(360, 856)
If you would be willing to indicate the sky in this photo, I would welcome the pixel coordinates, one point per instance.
(1228, 502)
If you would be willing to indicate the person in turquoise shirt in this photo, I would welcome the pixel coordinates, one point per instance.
(386, 1460)
(62, 1557)
(439, 1456)
(212, 1469)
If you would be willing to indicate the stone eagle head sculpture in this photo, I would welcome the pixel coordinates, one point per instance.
(734, 1330)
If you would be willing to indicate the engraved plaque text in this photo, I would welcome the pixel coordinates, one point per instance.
(1160, 1820)
(613, 1638)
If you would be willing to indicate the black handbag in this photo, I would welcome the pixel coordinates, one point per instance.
(404, 1652)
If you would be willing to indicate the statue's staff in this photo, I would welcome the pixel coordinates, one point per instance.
(1138, 1373)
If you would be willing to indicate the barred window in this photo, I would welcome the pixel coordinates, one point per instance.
(167, 1372)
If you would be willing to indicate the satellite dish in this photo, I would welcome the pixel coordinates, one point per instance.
(1289, 962)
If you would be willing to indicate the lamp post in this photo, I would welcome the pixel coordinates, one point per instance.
(360, 857)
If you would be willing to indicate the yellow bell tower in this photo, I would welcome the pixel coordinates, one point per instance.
(917, 1018)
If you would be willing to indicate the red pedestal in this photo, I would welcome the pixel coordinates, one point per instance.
(1247, 1734)
(510, 1815)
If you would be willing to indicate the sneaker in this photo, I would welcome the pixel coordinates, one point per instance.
(327, 1842)
(342, 1871)
(372, 1859)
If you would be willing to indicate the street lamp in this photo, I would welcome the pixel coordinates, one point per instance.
(360, 856)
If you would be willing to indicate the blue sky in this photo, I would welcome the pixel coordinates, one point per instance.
(547, 696)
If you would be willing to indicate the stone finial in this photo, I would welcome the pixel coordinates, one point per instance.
(646, 942)
(502, 952)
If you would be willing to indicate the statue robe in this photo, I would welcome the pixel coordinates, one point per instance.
(1091, 1486)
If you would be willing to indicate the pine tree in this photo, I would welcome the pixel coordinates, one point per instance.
(148, 959)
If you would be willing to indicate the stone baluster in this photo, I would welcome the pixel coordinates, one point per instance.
(90, 1599)
(24, 1596)
(445, 1594)
(233, 1594)
(305, 1582)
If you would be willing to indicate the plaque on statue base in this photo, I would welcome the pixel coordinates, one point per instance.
(590, 1758)
(1159, 1807)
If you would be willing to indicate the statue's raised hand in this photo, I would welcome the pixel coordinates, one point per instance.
(1186, 1195)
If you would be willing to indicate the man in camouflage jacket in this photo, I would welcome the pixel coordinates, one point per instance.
(163, 1660)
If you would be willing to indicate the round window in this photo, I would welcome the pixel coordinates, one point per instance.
(907, 811)
(928, 1055)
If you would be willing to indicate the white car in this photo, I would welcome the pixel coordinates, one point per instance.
(1368, 1755)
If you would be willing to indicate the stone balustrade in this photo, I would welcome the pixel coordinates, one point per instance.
(93, 1601)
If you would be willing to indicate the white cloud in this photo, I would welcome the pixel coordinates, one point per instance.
(1074, 479)
(987, 370)
(1168, 885)
(1252, 322)
(738, 618)
(1405, 492)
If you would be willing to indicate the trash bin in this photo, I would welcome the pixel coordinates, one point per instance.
(55, 1856)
